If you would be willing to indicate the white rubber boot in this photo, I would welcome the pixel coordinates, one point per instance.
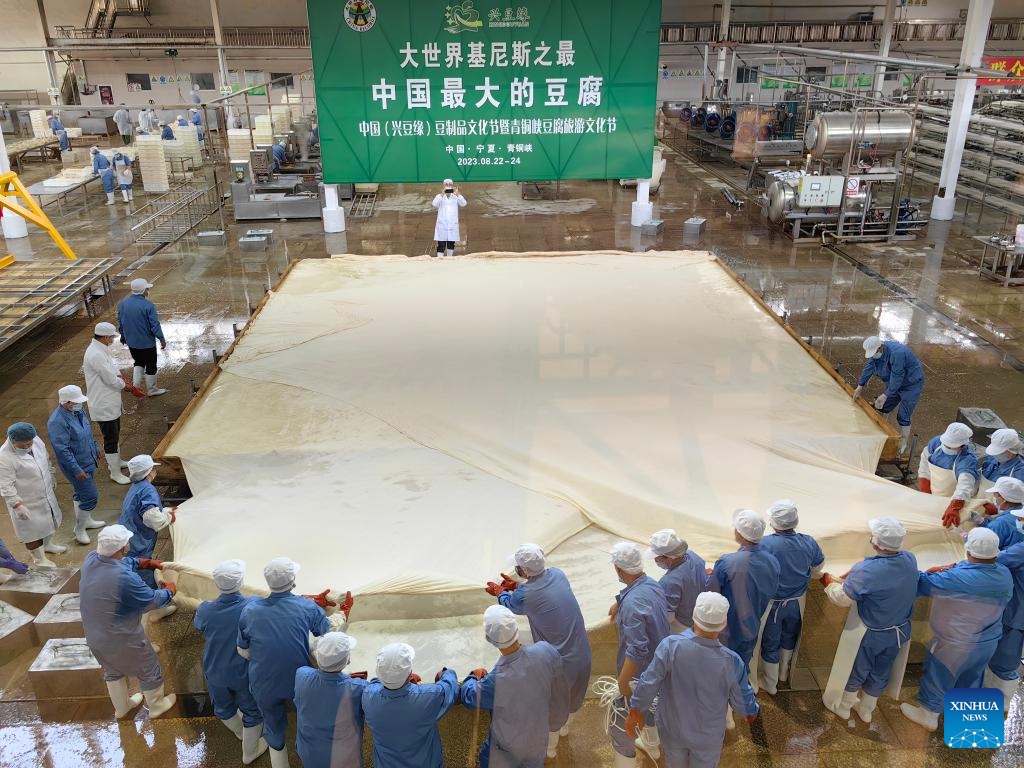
(438, 254)
(110, 198)
(114, 465)
(621, 761)
(925, 718)
(253, 744)
(552, 745)
(137, 375)
(53, 549)
(234, 724)
(450, 252)
(131, 195)
(124, 195)
(157, 703)
(158, 614)
(565, 728)
(866, 707)
(1009, 689)
(842, 709)
(151, 388)
(80, 517)
(730, 721)
(649, 742)
(770, 677)
(278, 757)
(39, 558)
(123, 703)
(904, 440)
(785, 661)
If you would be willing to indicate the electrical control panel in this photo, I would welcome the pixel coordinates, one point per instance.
(820, 191)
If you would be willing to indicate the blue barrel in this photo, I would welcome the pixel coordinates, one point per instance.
(728, 129)
(711, 122)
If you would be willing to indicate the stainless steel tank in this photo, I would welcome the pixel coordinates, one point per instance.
(781, 199)
(673, 108)
(882, 131)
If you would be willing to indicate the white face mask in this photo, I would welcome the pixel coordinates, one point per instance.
(76, 407)
(662, 564)
(947, 450)
(21, 451)
(1020, 524)
(878, 356)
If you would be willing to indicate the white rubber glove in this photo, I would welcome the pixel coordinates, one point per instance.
(880, 402)
(243, 652)
(857, 392)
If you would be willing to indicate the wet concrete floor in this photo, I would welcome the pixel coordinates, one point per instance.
(968, 331)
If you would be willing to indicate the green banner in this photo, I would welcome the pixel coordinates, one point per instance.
(484, 90)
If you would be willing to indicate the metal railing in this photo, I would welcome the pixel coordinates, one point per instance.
(173, 215)
(256, 37)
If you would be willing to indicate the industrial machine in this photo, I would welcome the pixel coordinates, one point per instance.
(258, 193)
(850, 188)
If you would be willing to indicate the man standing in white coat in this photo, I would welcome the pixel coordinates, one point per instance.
(26, 483)
(446, 231)
(103, 385)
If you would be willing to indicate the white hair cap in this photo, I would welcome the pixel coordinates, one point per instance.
(530, 558)
(280, 574)
(1003, 441)
(500, 626)
(448, 183)
(627, 556)
(871, 346)
(140, 466)
(957, 435)
(229, 575)
(887, 533)
(665, 543)
(748, 524)
(1010, 488)
(711, 611)
(112, 540)
(783, 515)
(982, 543)
(394, 665)
(333, 650)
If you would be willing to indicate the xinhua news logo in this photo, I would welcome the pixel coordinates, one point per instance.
(973, 718)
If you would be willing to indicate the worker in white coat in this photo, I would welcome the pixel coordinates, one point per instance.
(124, 124)
(446, 231)
(104, 384)
(949, 468)
(26, 483)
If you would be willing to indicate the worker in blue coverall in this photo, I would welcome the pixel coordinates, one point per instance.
(640, 614)
(142, 511)
(76, 451)
(800, 560)
(227, 673)
(695, 680)
(140, 328)
(1007, 497)
(685, 576)
(166, 132)
(1002, 667)
(884, 588)
(897, 366)
(547, 600)
(328, 707)
(273, 634)
(948, 467)
(197, 121)
(526, 694)
(280, 155)
(1002, 457)
(58, 129)
(101, 167)
(402, 714)
(968, 601)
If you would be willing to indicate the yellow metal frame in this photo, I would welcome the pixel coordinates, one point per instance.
(11, 190)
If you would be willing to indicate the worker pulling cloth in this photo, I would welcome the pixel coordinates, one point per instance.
(846, 653)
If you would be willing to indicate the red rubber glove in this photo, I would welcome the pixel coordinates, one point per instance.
(941, 568)
(346, 604)
(751, 719)
(479, 674)
(493, 588)
(415, 679)
(148, 564)
(951, 517)
(990, 508)
(709, 571)
(360, 675)
(440, 672)
(508, 584)
(634, 722)
(174, 515)
(173, 588)
(130, 388)
(826, 579)
(924, 485)
(322, 600)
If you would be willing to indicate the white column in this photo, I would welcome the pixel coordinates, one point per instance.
(643, 208)
(222, 59)
(723, 35)
(13, 225)
(884, 44)
(333, 214)
(978, 17)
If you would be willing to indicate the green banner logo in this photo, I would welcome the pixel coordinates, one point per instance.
(559, 89)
